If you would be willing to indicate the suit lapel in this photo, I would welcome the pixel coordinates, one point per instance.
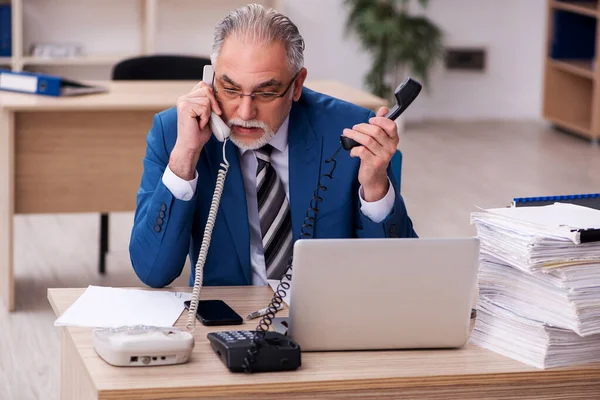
(233, 200)
(304, 165)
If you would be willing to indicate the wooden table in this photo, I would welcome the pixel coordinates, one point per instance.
(468, 373)
(84, 154)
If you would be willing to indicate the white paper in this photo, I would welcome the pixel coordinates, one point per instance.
(108, 307)
(557, 219)
(530, 341)
(539, 286)
(275, 282)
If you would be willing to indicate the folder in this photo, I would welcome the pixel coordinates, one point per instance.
(42, 84)
(591, 200)
(5, 31)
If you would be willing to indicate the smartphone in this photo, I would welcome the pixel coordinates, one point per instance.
(215, 313)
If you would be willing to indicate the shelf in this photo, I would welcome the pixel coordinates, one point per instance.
(589, 9)
(581, 68)
(86, 60)
(574, 127)
(568, 99)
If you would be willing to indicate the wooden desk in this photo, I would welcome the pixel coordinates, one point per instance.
(468, 373)
(84, 154)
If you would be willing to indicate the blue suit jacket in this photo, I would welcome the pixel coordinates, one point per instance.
(167, 229)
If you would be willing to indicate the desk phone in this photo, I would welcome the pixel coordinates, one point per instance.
(279, 354)
(143, 346)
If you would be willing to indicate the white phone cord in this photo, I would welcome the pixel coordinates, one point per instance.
(212, 216)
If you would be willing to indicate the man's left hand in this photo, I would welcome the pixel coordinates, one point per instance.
(379, 139)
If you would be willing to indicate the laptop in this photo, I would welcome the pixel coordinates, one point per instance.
(376, 294)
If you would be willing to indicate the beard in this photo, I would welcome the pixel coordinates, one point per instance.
(251, 144)
(267, 135)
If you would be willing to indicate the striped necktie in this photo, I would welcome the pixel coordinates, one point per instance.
(274, 215)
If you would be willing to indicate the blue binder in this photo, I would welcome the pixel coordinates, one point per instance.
(48, 85)
(591, 200)
(5, 31)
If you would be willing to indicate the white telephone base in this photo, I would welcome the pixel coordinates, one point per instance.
(143, 345)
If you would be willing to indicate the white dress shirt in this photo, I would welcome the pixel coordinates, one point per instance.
(184, 190)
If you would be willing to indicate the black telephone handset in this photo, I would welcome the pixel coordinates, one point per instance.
(262, 350)
(405, 93)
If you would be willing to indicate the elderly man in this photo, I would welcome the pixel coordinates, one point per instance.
(281, 134)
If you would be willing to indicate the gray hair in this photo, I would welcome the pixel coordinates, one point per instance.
(259, 25)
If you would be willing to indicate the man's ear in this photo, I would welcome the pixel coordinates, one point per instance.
(299, 83)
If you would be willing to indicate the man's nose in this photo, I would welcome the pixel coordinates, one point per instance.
(246, 109)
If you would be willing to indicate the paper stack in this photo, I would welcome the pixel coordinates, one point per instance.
(109, 307)
(539, 284)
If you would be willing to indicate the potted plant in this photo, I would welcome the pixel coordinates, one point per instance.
(398, 41)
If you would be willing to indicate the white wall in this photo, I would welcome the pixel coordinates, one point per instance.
(512, 31)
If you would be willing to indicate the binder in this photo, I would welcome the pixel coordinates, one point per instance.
(43, 84)
(591, 200)
(5, 31)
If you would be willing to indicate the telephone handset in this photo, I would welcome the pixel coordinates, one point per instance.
(217, 125)
(405, 93)
(263, 350)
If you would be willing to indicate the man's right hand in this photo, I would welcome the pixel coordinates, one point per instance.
(193, 129)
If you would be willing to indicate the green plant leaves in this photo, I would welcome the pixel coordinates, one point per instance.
(395, 39)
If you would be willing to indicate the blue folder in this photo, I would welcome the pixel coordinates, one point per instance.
(42, 84)
(5, 31)
(591, 200)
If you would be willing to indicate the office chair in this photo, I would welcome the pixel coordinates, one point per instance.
(160, 67)
(148, 68)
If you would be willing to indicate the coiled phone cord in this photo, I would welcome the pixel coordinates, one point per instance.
(284, 284)
(212, 217)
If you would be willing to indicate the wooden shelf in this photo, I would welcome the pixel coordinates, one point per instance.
(579, 7)
(579, 127)
(571, 95)
(578, 67)
(568, 99)
(85, 60)
(148, 25)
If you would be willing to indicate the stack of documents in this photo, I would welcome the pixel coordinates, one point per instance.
(530, 341)
(531, 238)
(539, 284)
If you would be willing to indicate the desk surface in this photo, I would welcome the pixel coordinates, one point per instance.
(157, 95)
(471, 372)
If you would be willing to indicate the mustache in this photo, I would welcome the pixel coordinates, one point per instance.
(253, 123)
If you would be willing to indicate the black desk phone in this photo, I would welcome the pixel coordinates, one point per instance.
(263, 350)
(276, 352)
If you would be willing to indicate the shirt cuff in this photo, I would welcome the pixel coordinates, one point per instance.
(179, 188)
(376, 211)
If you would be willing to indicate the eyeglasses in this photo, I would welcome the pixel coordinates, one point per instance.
(229, 95)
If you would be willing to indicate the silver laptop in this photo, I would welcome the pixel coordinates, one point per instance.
(366, 294)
